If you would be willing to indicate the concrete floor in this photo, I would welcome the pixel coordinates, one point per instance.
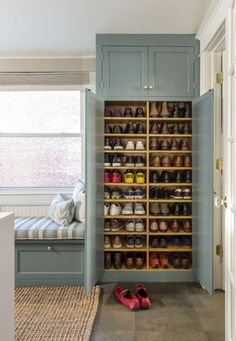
(179, 312)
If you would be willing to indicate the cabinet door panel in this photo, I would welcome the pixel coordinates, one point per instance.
(171, 71)
(125, 71)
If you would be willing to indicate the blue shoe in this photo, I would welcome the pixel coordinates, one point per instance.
(129, 193)
(139, 193)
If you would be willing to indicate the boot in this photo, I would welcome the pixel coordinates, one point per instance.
(164, 111)
(153, 112)
(108, 260)
(117, 262)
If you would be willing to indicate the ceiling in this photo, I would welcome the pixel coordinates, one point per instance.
(67, 27)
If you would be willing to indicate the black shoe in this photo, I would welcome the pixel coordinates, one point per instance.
(155, 193)
(187, 111)
(165, 193)
(108, 129)
(187, 176)
(185, 209)
(129, 161)
(129, 129)
(117, 129)
(139, 129)
(178, 177)
(107, 160)
(128, 112)
(165, 177)
(139, 112)
(139, 161)
(186, 129)
(176, 111)
(176, 209)
(154, 177)
(108, 112)
(108, 144)
(116, 161)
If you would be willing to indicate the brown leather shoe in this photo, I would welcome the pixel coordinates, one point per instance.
(163, 226)
(165, 129)
(174, 226)
(116, 242)
(166, 162)
(139, 260)
(164, 110)
(107, 260)
(155, 161)
(185, 145)
(187, 226)
(165, 144)
(155, 208)
(154, 128)
(178, 161)
(153, 144)
(117, 261)
(174, 145)
(153, 225)
(129, 260)
(164, 208)
(187, 161)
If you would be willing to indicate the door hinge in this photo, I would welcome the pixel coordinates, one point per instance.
(219, 78)
(219, 164)
(219, 250)
(102, 84)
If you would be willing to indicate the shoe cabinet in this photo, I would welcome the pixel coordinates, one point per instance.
(148, 186)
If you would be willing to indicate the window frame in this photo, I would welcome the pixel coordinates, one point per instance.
(7, 191)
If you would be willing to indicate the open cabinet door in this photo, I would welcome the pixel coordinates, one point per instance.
(94, 141)
(203, 192)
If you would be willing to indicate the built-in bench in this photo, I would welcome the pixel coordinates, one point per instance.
(47, 253)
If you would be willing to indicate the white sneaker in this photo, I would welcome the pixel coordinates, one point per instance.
(130, 145)
(139, 145)
(128, 208)
(129, 225)
(138, 208)
(139, 225)
(106, 209)
(115, 209)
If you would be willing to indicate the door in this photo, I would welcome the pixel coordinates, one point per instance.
(171, 71)
(124, 72)
(94, 112)
(203, 192)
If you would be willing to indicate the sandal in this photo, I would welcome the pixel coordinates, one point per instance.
(175, 260)
(186, 261)
(154, 261)
(164, 261)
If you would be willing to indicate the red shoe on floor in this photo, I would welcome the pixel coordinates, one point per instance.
(127, 298)
(143, 296)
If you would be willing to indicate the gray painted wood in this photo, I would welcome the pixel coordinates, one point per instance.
(94, 162)
(148, 276)
(203, 116)
(124, 71)
(171, 71)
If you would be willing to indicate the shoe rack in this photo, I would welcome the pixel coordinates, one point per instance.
(148, 251)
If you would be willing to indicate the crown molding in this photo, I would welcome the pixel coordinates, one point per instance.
(212, 22)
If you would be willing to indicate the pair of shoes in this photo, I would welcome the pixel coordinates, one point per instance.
(131, 161)
(116, 112)
(129, 113)
(113, 160)
(113, 225)
(130, 208)
(180, 209)
(112, 176)
(130, 128)
(115, 129)
(157, 208)
(178, 261)
(132, 241)
(159, 260)
(131, 301)
(181, 193)
(181, 110)
(135, 145)
(112, 258)
(114, 193)
(113, 209)
(115, 144)
(158, 225)
(164, 112)
(114, 242)
(132, 225)
(159, 193)
(138, 177)
(134, 193)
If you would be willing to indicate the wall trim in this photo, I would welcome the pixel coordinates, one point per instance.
(212, 22)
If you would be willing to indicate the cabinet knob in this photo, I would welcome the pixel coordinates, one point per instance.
(145, 87)
(150, 87)
(50, 248)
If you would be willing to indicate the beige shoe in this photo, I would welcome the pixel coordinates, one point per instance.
(153, 225)
(164, 111)
(107, 242)
(153, 112)
(116, 242)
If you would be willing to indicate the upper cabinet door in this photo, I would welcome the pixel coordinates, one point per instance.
(124, 72)
(171, 71)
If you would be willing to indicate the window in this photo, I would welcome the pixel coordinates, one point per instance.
(41, 139)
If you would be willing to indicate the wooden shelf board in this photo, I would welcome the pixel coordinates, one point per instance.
(164, 184)
(123, 216)
(170, 233)
(178, 119)
(133, 136)
(170, 249)
(123, 268)
(170, 200)
(170, 151)
(124, 232)
(170, 168)
(117, 184)
(171, 268)
(125, 200)
(126, 249)
(169, 217)
(125, 151)
(124, 167)
(110, 118)
(171, 135)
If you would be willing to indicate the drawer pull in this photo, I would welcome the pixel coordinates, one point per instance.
(50, 248)
(145, 87)
(150, 87)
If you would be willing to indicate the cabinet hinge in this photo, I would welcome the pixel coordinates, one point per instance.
(102, 84)
(219, 250)
(219, 164)
(219, 78)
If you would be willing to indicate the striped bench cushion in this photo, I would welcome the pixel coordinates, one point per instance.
(45, 228)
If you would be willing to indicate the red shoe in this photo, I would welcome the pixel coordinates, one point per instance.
(143, 296)
(127, 298)
(116, 176)
(107, 176)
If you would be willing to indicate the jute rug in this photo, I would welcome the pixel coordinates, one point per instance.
(55, 313)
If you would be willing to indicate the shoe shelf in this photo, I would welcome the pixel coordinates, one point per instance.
(148, 154)
(169, 184)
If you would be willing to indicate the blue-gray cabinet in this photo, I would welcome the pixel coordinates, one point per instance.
(158, 67)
